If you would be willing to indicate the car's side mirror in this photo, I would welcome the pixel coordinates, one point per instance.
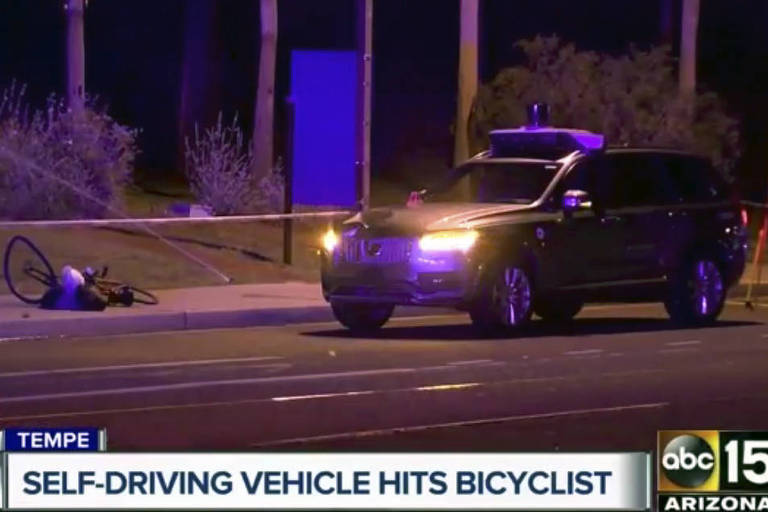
(574, 200)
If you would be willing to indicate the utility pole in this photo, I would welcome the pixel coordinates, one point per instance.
(364, 88)
(688, 40)
(75, 10)
(263, 120)
(468, 76)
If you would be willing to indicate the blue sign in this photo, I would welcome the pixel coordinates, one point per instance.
(324, 92)
(51, 439)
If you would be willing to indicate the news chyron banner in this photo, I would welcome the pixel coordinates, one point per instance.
(712, 470)
(85, 478)
(47, 440)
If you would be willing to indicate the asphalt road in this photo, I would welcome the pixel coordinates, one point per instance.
(607, 381)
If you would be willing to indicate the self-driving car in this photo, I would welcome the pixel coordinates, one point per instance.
(544, 221)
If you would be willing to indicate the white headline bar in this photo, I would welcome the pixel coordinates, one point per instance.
(501, 481)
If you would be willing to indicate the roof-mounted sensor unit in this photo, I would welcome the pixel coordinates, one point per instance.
(539, 140)
(547, 143)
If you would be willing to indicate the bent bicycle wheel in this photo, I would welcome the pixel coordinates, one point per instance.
(26, 271)
(144, 297)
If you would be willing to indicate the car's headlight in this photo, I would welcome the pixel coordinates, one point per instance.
(459, 240)
(330, 240)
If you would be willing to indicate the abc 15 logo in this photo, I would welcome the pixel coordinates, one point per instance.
(712, 460)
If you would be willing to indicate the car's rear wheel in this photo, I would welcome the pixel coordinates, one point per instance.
(697, 292)
(558, 309)
(362, 317)
(506, 299)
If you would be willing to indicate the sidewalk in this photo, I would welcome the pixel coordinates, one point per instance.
(185, 308)
(207, 308)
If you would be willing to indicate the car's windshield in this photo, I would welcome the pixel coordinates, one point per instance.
(496, 182)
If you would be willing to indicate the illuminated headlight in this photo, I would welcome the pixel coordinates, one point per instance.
(330, 240)
(461, 240)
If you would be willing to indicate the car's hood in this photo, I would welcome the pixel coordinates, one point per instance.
(431, 216)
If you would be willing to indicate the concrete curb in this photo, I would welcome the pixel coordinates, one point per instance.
(145, 320)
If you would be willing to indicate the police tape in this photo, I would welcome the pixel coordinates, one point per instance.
(173, 220)
(754, 204)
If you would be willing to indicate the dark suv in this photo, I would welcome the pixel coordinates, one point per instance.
(542, 223)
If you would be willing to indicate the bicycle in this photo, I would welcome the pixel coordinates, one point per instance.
(36, 270)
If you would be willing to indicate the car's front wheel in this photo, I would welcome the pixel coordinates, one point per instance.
(506, 299)
(362, 317)
(697, 292)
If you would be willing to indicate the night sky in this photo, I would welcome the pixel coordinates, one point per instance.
(135, 55)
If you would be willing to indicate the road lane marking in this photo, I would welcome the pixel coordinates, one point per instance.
(218, 383)
(588, 352)
(138, 366)
(293, 398)
(23, 338)
(289, 398)
(471, 362)
(465, 423)
(683, 343)
(677, 350)
(450, 387)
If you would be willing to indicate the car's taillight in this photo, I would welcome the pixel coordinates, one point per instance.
(744, 217)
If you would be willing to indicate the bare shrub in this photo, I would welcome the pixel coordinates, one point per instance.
(43, 150)
(219, 167)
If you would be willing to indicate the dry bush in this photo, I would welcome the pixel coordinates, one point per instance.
(219, 168)
(55, 162)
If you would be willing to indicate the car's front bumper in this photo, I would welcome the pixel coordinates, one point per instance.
(440, 279)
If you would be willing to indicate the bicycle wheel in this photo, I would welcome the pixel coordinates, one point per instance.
(144, 297)
(26, 271)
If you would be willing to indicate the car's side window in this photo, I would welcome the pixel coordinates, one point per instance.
(695, 181)
(588, 175)
(638, 180)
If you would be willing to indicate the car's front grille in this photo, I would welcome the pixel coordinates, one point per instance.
(376, 250)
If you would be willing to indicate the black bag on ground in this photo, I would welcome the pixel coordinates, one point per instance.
(84, 298)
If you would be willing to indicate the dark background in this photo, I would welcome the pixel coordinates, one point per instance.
(141, 54)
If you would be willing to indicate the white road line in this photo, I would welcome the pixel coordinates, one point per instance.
(471, 361)
(138, 366)
(591, 351)
(683, 343)
(289, 398)
(293, 398)
(675, 350)
(466, 423)
(218, 383)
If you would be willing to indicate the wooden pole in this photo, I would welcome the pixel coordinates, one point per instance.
(75, 54)
(688, 39)
(365, 79)
(468, 76)
(263, 120)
